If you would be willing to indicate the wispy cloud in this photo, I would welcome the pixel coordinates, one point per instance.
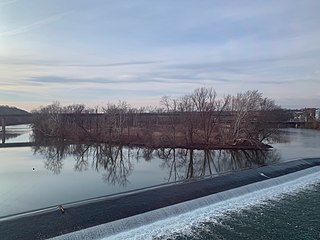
(34, 25)
(68, 80)
(19, 96)
(46, 63)
(7, 2)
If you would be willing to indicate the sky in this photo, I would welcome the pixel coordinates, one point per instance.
(99, 51)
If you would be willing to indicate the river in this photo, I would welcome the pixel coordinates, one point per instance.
(49, 175)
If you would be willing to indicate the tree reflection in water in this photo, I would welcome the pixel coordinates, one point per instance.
(117, 166)
(189, 163)
(112, 161)
(116, 162)
(54, 155)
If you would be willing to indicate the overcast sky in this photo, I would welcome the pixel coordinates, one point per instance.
(99, 51)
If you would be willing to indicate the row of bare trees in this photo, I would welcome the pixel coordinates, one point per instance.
(246, 118)
(200, 119)
(77, 122)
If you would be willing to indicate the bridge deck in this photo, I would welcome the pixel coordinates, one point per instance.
(20, 144)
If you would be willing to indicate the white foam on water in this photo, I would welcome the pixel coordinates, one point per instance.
(183, 217)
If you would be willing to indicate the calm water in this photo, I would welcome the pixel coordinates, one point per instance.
(42, 176)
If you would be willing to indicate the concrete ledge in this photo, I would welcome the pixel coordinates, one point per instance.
(51, 222)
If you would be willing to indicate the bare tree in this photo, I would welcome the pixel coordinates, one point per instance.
(117, 118)
(171, 107)
(47, 121)
(252, 118)
(210, 110)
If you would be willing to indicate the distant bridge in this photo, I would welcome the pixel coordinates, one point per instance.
(15, 145)
(13, 119)
(290, 124)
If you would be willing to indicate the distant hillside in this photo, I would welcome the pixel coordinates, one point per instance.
(6, 110)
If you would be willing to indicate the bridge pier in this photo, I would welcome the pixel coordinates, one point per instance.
(3, 130)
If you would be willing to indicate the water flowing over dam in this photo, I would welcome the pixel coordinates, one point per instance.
(219, 216)
(102, 218)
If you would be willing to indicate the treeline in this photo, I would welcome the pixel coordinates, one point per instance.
(14, 116)
(196, 120)
(7, 110)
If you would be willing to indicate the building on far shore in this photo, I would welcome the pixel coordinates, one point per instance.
(307, 115)
(317, 114)
(306, 118)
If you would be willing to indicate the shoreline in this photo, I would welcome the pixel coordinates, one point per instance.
(141, 144)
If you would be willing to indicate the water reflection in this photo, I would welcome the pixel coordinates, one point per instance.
(7, 136)
(188, 163)
(15, 133)
(54, 155)
(112, 161)
(116, 163)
